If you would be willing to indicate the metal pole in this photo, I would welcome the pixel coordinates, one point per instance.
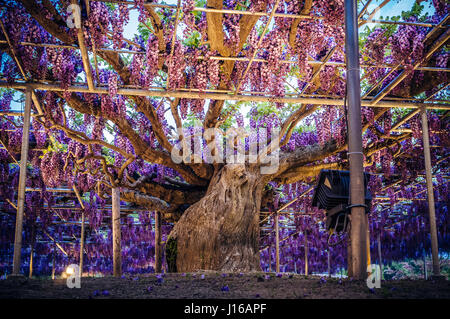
(277, 243)
(158, 252)
(431, 208)
(355, 155)
(22, 180)
(117, 252)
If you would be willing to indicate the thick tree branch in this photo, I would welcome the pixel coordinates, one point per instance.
(305, 155)
(170, 193)
(147, 201)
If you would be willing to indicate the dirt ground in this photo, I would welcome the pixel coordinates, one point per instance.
(217, 285)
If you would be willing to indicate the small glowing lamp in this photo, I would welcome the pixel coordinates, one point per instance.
(69, 270)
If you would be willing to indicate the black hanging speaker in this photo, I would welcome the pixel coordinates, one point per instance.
(332, 194)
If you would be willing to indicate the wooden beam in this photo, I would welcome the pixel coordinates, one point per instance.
(82, 238)
(437, 45)
(430, 194)
(222, 96)
(56, 244)
(84, 54)
(22, 184)
(320, 68)
(233, 58)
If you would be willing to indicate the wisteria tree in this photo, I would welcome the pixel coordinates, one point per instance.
(116, 139)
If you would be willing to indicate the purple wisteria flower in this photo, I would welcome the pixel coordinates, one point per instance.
(159, 279)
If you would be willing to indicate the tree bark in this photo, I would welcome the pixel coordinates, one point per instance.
(221, 231)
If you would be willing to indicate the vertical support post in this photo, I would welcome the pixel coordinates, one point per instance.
(380, 259)
(158, 250)
(82, 244)
(82, 229)
(430, 194)
(22, 180)
(277, 242)
(354, 132)
(53, 260)
(117, 251)
(329, 264)
(306, 252)
(33, 238)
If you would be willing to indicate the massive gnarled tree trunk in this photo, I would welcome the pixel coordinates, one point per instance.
(221, 231)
